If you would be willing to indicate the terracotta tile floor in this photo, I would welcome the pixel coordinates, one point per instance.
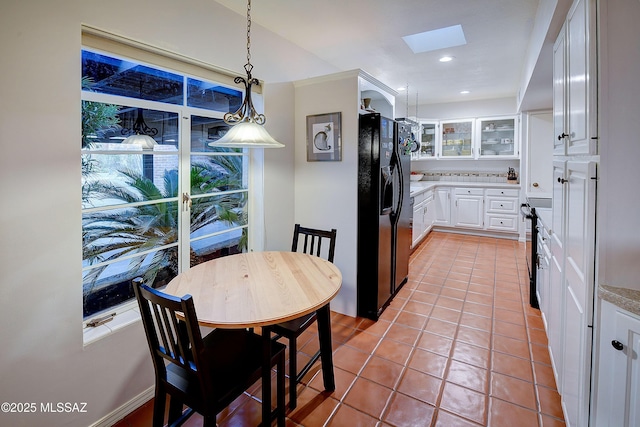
(458, 346)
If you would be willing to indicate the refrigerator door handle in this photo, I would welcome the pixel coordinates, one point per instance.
(387, 192)
(399, 189)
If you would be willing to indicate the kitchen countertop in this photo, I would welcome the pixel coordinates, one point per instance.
(627, 299)
(418, 187)
(545, 215)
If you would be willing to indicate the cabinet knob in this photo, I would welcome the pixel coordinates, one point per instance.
(617, 345)
(562, 180)
(562, 135)
(535, 184)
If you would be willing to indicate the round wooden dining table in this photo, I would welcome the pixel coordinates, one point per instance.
(259, 289)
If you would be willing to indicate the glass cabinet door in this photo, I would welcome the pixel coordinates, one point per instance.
(427, 140)
(457, 139)
(497, 137)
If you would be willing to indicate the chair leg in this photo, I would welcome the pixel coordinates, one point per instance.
(324, 332)
(280, 391)
(175, 410)
(158, 407)
(293, 373)
(209, 421)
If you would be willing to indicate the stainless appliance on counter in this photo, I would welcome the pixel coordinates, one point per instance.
(384, 212)
(528, 211)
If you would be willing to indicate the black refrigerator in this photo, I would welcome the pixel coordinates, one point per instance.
(384, 212)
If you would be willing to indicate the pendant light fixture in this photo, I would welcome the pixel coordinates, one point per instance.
(142, 133)
(247, 129)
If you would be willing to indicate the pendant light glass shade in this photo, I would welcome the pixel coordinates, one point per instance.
(246, 124)
(247, 134)
(145, 141)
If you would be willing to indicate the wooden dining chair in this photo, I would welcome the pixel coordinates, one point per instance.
(204, 374)
(309, 241)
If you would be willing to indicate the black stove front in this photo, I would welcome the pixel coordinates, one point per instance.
(529, 213)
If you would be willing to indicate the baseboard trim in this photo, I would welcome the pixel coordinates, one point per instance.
(124, 410)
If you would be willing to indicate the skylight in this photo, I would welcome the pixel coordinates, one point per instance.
(436, 39)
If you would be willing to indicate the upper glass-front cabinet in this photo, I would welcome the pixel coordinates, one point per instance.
(457, 139)
(428, 141)
(497, 136)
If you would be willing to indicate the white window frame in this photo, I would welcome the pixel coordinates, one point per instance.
(109, 44)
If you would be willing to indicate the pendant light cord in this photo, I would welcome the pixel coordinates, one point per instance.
(248, 67)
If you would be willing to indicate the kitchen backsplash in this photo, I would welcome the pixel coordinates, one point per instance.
(464, 176)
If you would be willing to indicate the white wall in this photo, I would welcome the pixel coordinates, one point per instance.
(326, 193)
(467, 109)
(618, 201)
(42, 357)
(279, 170)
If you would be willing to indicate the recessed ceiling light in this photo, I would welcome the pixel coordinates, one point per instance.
(464, 92)
(446, 59)
(436, 39)
(400, 89)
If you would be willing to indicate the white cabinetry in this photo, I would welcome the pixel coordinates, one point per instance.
(468, 208)
(442, 206)
(476, 208)
(497, 136)
(423, 214)
(571, 282)
(501, 209)
(618, 369)
(575, 82)
(428, 141)
(539, 153)
(579, 210)
(481, 138)
(571, 277)
(457, 139)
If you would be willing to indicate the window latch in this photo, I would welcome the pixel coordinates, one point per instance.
(186, 202)
(100, 320)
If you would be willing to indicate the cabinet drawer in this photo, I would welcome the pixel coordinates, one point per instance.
(419, 198)
(469, 191)
(508, 192)
(502, 222)
(502, 205)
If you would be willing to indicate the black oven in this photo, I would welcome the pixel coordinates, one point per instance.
(529, 213)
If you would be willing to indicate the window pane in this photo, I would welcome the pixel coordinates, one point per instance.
(114, 179)
(205, 130)
(125, 78)
(106, 287)
(106, 126)
(213, 174)
(217, 246)
(218, 213)
(212, 96)
(112, 233)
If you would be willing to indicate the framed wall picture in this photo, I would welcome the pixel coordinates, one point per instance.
(324, 139)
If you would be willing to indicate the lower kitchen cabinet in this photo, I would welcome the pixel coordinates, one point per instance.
(468, 208)
(618, 386)
(465, 208)
(502, 209)
(442, 206)
(422, 216)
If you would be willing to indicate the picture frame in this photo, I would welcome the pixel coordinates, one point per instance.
(324, 137)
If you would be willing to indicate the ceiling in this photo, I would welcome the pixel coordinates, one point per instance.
(367, 34)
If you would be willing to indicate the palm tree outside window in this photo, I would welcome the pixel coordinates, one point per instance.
(154, 211)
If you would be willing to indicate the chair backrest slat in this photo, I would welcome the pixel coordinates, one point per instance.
(312, 243)
(172, 331)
